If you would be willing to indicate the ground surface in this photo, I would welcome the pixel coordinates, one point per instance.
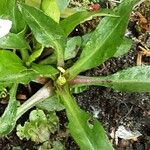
(115, 108)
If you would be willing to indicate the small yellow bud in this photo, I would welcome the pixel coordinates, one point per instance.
(61, 80)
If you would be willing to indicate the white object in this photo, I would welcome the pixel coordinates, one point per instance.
(123, 133)
(5, 26)
(95, 112)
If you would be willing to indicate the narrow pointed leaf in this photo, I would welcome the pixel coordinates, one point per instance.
(16, 17)
(88, 136)
(8, 119)
(135, 79)
(80, 17)
(51, 8)
(104, 40)
(13, 71)
(33, 3)
(36, 53)
(3, 11)
(44, 70)
(70, 11)
(9, 10)
(51, 104)
(79, 89)
(62, 4)
(9, 63)
(45, 29)
(72, 48)
(124, 47)
(13, 41)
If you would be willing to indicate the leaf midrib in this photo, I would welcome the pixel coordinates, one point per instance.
(14, 17)
(51, 38)
(81, 62)
(79, 124)
(128, 81)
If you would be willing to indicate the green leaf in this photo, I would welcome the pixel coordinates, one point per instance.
(72, 48)
(135, 79)
(10, 65)
(4, 11)
(33, 3)
(104, 40)
(45, 30)
(70, 11)
(51, 104)
(51, 145)
(62, 4)
(44, 70)
(39, 127)
(32, 130)
(57, 145)
(72, 21)
(51, 8)
(12, 69)
(85, 39)
(88, 136)
(78, 89)
(8, 119)
(49, 60)
(124, 47)
(9, 10)
(36, 53)
(13, 41)
(23, 77)
(16, 17)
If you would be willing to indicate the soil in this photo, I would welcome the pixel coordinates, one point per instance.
(114, 108)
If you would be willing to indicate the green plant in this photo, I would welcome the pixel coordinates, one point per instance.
(39, 128)
(49, 31)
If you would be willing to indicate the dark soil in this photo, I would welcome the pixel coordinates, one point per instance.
(115, 108)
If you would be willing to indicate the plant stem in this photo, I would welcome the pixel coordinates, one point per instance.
(60, 55)
(84, 80)
(49, 60)
(74, 114)
(39, 96)
(24, 54)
